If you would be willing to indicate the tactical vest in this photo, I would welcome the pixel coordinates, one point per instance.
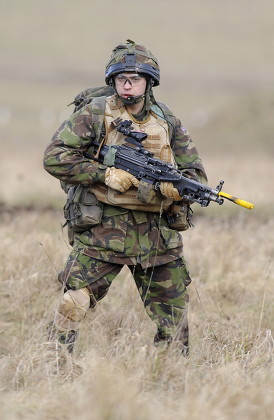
(156, 142)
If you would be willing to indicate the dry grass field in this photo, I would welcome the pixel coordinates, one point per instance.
(217, 74)
(116, 373)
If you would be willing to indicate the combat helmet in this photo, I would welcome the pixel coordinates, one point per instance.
(132, 57)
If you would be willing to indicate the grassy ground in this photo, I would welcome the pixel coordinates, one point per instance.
(116, 372)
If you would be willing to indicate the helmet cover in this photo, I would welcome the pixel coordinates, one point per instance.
(131, 57)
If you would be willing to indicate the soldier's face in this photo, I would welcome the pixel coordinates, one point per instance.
(130, 84)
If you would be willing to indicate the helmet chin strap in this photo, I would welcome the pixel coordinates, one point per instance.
(132, 100)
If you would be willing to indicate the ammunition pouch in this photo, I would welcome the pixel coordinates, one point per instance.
(179, 216)
(146, 192)
(82, 209)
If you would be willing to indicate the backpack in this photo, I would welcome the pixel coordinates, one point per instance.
(86, 96)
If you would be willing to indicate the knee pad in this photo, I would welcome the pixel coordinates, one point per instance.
(72, 309)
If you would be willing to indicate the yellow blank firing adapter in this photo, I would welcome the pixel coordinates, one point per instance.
(236, 200)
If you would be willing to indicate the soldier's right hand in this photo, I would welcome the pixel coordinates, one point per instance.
(168, 190)
(119, 180)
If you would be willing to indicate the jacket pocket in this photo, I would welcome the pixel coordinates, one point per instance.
(172, 238)
(110, 234)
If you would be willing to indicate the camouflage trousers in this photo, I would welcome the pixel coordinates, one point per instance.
(162, 290)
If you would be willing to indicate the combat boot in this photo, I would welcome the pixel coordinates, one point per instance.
(161, 340)
(65, 338)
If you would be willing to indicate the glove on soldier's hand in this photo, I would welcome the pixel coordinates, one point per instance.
(119, 180)
(168, 190)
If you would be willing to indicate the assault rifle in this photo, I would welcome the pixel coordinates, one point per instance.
(135, 159)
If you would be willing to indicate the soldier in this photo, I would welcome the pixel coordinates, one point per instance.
(131, 230)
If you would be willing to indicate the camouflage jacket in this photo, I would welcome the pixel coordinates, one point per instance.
(124, 236)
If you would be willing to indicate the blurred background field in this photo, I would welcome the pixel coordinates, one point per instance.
(217, 75)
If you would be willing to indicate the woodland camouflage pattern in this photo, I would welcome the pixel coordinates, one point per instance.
(143, 55)
(141, 240)
(161, 288)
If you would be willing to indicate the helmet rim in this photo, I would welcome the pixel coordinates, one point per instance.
(141, 68)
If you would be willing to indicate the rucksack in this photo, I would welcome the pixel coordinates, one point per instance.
(86, 96)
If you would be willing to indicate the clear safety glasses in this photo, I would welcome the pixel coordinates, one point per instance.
(134, 79)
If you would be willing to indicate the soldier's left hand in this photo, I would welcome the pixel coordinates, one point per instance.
(168, 190)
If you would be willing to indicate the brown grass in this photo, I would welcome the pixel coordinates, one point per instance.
(116, 372)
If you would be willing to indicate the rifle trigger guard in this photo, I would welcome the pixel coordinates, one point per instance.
(157, 185)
